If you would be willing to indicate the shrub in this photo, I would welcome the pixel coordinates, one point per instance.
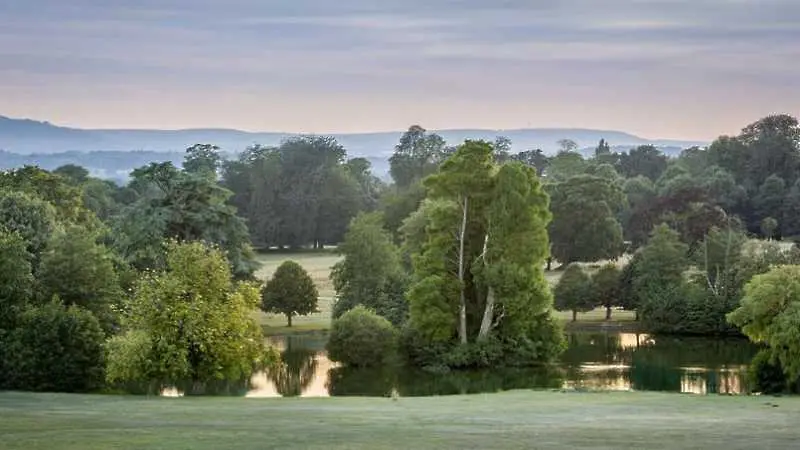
(766, 376)
(362, 338)
(56, 348)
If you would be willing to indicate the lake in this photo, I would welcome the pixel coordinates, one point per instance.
(593, 361)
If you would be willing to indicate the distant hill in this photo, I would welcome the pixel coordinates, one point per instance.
(38, 139)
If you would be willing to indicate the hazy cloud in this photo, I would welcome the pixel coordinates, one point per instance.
(458, 62)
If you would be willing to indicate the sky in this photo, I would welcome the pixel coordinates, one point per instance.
(688, 69)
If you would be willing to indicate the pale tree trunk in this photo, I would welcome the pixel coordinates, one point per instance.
(462, 312)
(488, 312)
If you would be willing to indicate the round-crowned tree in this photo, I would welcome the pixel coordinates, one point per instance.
(290, 291)
(362, 338)
(574, 291)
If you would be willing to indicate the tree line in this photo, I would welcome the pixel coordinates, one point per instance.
(154, 281)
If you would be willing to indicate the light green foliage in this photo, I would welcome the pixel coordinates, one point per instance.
(606, 287)
(585, 225)
(291, 291)
(55, 348)
(362, 338)
(368, 271)
(191, 322)
(173, 204)
(33, 219)
(574, 291)
(16, 279)
(80, 272)
(770, 314)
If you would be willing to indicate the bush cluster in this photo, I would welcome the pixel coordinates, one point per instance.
(362, 338)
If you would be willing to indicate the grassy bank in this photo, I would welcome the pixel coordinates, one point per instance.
(521, 419)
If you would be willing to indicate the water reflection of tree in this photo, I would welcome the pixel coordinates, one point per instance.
(295, 372)
(700, 365)
(410, 382)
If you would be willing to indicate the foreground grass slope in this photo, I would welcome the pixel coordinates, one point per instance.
(520, 419)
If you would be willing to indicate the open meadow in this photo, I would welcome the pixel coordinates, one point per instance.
(318, 265)
(517, 419)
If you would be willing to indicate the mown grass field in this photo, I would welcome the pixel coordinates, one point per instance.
(509, 420)
(318, 265)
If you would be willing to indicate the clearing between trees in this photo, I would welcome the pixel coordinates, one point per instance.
(318, 265)
(518, 419)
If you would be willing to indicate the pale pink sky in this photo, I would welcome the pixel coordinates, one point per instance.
(689, 69)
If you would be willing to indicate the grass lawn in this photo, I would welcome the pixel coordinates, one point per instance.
(521, 419)
(318, 265)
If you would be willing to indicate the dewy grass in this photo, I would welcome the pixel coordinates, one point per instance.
(519, 419)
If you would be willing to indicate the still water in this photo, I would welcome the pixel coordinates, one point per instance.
(593, 361)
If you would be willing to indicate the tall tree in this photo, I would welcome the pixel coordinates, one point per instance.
(585, 225)
(203, 159)
(368, 269)
(644, 160)
(566, 164)
(416, 155)
(606, 287)
(184, 206)
(478, 265)
(533, 158)
(574, 291)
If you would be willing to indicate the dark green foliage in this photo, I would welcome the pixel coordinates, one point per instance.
(16, 279)
(416, 155)
(361, 338)
(606, 287)
(33, 219)
(55, 348)
(585, 225)
(300, 193)
(82, 273)
(574, 291)
(174, 204)
(291, 291)
(644, 160)
(767, 376)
